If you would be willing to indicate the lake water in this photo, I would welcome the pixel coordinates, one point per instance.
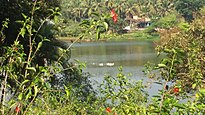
(104, 58)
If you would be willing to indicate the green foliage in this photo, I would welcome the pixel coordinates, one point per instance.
(72, 29)
(13, 10)
(183, 67)
(184, 62)
(98, 23)
(120, 94)
(188, 7)
(79, 11)
(183, 26)
(163, 12)
(27, 70)
(167, 22)
(37, 81)
(123, 95)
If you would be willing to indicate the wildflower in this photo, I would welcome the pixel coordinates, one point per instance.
(114, 18)
(115, 113)
(17, 109)
(176, 90)
(113, 12)
(114, 15)
(108, 110)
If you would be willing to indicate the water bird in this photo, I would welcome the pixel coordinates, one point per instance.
(110, 64)
(101, 64)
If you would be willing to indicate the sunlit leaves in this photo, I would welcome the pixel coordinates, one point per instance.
(96, 25)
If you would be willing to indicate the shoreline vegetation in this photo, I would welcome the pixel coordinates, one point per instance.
(135, 35)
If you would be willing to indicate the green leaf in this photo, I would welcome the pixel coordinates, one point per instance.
(39, 45)
(98, 34)
(20, 96)
(161, 65)
(35, 91)
(165, 60)
(167, 50)
(22, 32)
(180, 106)
(81, 37)
(28, 94)
(95, 14)
(24, 15)
(67, 91)
(89, 12)
(46, 40)
(25, 81)
(174, 51)
(37, 8)
(58, 13)
(28, 27)
(51, 10)
(85, 22)
(31, 68)
(106, 25)
(19, 59)
(193, 86)
(202, 91)
(19, 21)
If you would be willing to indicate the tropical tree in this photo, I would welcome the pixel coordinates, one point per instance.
(187, 8)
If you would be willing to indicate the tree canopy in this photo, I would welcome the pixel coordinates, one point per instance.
(187, 8)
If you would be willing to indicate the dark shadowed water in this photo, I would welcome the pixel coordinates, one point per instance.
(103, 58)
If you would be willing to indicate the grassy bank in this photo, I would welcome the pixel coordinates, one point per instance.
(137, 35)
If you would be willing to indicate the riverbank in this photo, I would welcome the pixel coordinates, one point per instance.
(137, 35)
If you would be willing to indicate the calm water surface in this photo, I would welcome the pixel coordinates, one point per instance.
(104, 58)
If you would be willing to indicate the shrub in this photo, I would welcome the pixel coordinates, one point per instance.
(181, 71)
(167, 22)
(34, 64)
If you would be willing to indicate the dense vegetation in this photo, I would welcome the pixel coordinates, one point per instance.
(37, 77)
(163, 14)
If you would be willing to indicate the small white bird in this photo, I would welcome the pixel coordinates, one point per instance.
(110, 64)
(101, 64)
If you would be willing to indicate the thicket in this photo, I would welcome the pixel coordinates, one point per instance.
(163, 13)
(36, 77)
(34, 63)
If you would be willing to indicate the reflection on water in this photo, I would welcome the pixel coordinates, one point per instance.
(106, 57)
(131, 54)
